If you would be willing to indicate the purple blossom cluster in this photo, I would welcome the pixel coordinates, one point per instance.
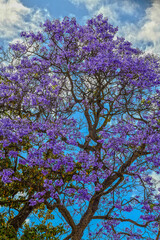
(80, 106)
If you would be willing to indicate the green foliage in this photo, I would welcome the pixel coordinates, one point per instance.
(42, 232)
(6, 231)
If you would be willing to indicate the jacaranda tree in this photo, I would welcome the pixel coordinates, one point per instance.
(79, 134)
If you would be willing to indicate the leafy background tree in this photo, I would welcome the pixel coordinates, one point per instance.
(80, 134)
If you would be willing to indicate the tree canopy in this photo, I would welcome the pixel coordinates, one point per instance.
(79, 134)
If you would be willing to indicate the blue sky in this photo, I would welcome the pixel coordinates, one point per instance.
(138, 20)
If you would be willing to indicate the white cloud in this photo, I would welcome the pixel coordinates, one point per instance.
(156, 179)
(146, 32)
(109, 11)
(128, 7)
(150, 30)
(27, 221)
(20, 194)
(15, 17)
(116, 9)
(90, 4)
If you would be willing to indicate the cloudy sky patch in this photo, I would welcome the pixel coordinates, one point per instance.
(150, 30)
(15, 17)
(138, 21)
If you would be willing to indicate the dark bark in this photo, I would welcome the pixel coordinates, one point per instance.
(18, 220)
